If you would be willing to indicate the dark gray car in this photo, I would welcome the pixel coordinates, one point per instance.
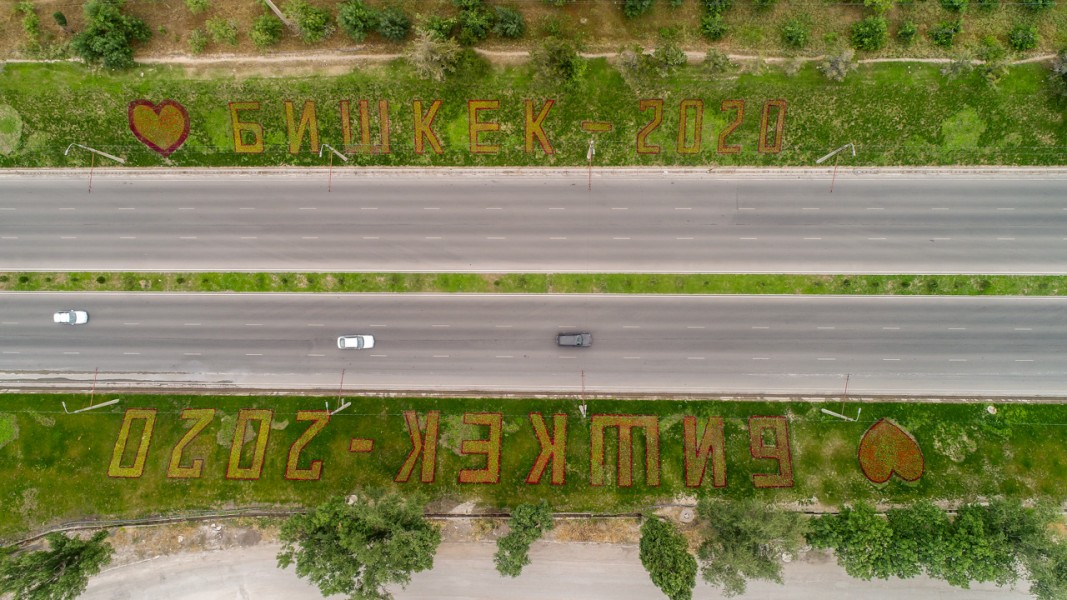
(581, 340)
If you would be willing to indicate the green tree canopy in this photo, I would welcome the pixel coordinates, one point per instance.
(60, 573)
(665, 555)
(527, 524)
(746, 540)
(108, 35)
(359, 547)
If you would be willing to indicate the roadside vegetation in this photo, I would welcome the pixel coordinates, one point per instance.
(540, 283)
(55, 467)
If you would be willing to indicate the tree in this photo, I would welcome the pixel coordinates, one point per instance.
(744, 540)
(870, 33)
(796, 33)
(527, 524)
(861, 539)
(356, 19)
(1058, 73)
(713, 27)
(59, 573)
(635, 8)
(109, 34)
(1022, 37)
(266, 31)
(944, 34)
(393, 24)
(509, 23)
(557, 61)
(665, 555)
(358, 547)
(837, 66)
(433, 56)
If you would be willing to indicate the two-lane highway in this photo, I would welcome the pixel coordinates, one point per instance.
(537, 222)
(654, 344)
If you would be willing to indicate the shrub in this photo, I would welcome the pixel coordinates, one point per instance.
(434, 57)
(31, 23)
(356, 19)
(197, 6)
(836, 66)
(509, 23)
(108, 35)
(716, 62)
(668, 57)
(266, 31)
(312, 22)
(222, 30)
(880, 7)
(1058, 73)
(907, 32)
(393, 24)
(1039, 4)
(944, 34)
(665, 555)
(557, 2)
(475, 23)
(717, 7)
(60, 19)
(870, 33)
(439, 26)
(712, 26)
(954, 5)
(988, 5)
(557, 61)
(197, 41)
(635, 8)
(1022, 37)
(763, 4)
(796, 33)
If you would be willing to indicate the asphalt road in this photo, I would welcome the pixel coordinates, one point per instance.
(654, 344)
(465, 572)
(538, 222)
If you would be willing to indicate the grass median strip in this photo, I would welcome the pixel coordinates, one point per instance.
(539, 283)
(159, 454)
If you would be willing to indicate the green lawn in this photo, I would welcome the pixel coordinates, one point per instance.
(56, 469)
(541, 283)
(896, 114)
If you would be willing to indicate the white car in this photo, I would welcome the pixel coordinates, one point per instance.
(355, 342)
(71, 317)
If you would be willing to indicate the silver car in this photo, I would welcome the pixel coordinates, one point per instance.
(355, 342)
(580, 340)
(71, 317)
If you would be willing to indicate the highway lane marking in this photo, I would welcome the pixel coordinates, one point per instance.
(370, 237)
(683, 238)
(631, 357)
(253, 355)
(493, 208)
(1005, 239)
(70, 353)
(15, 237)
(246, 208)
(440, 325)
(563, 238)
(760, 358)
(745, 208)
(126, 208)
(957, 360)
(440, 356)
(939, 208)
(565, 326)
(187, 237)
(505, 356)
(253, 324)
(694, 327)
(430, 237)
(379, 355)
(131, 323)
(186, 208)
(495, 237)
(1023, 329)
(760, 327)
(875, 208)
(308, 208)
(824, 328)
(503, 326)
(316, 355)
(68, 209)
(127, 237)
(556, 208)
(316, 325)
(431, 208)
(694, 358)
(131, 353)
(826, 358)
(620, 238)
(1024, 360)
(876, 238)
(748, 238)
(248, 237)
(68, 237)
(368, 208)
(5, 208)
(191, 353)
(957, 328)
(809, 208)
(813, 238)
(890, 359)
(567, 357)
(9, 322)
(309, 237)
(942, 238)
(191, 324)
(631, 327)
(619, 208)
(377, 326)
(682, 208)
(890, 328)
(9, 352)
(1005, 209)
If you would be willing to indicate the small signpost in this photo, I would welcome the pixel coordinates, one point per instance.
(92, 159)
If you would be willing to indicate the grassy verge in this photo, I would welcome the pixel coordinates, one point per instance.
(540, 283)
(896, 114)
(56, 467)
